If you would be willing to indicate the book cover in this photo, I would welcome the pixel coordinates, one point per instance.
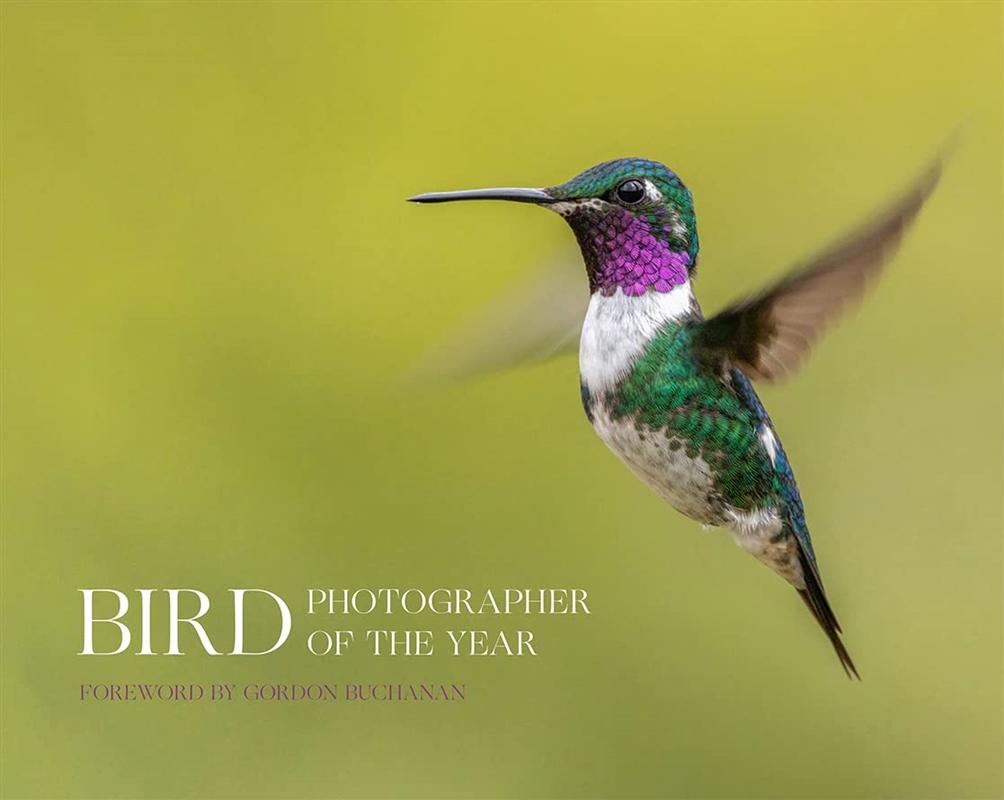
(298, 495)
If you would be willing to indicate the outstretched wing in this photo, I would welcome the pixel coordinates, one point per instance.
(540, 318)
(768, 335)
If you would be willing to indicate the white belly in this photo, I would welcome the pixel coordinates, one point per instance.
(685, 483)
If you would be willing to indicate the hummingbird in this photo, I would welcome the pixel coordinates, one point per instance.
(669, 390)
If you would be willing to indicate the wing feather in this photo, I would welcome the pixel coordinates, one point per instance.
(768, 335)
(538, 319)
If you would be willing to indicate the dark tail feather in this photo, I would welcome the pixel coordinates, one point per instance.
(815, 599)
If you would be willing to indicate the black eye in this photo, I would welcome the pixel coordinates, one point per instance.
(631, 192)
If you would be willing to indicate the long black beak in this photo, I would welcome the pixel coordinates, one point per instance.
(538, 196)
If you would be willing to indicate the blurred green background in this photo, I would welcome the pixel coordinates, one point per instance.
(212, 287)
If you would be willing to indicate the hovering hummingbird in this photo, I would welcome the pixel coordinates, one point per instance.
(668, 390)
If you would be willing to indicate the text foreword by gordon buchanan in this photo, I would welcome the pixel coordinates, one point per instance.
(117, 616)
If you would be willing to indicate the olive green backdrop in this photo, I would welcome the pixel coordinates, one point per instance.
(212, 288)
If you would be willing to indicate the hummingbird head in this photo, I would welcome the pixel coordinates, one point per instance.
(633, 218)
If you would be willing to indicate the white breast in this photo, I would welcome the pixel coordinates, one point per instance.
(617, 329)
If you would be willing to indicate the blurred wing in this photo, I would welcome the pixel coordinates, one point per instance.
(539, 318)
(768, 335)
